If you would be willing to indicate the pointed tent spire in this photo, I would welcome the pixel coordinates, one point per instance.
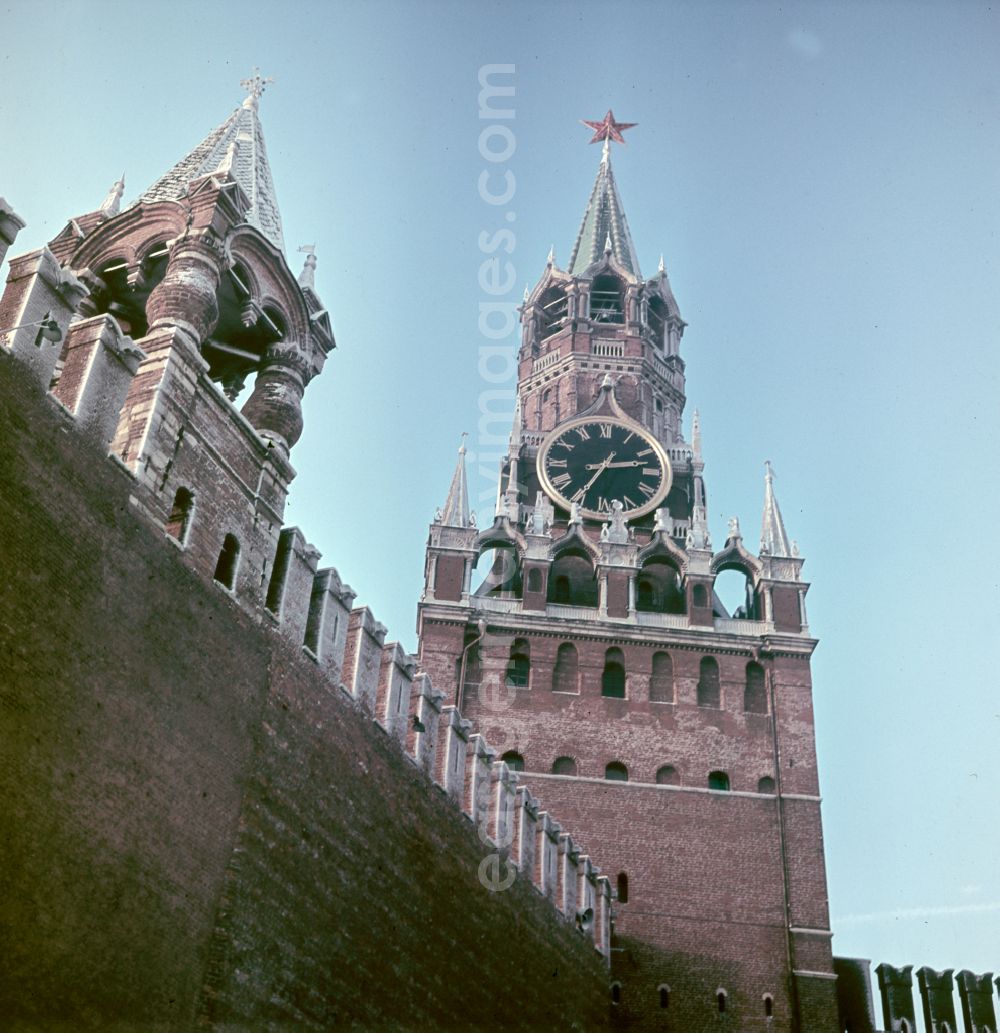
(604, 220)
(661, 268)
(111, 204)
(235, 147)
(773, 539)
(456, 508)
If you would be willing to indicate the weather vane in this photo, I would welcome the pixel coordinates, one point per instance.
(255, 85)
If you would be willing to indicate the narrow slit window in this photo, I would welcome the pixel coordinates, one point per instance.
(229, 559)
(179, 521)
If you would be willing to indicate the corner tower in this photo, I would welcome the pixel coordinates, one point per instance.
(189, 287)
(583, 630)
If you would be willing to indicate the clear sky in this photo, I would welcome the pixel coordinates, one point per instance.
(822, 180)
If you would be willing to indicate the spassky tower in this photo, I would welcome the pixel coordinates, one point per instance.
(581, 629)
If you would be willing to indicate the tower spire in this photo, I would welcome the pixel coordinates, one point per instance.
(773, 539)
(236, 147)
(456, 508)
(604, 219)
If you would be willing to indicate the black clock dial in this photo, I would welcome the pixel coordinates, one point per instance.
(593, 462)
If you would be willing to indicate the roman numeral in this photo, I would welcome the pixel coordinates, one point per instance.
(605, 430)
(646, 490)
(561, 481)
(603, 506)
(631, 435)
(649, 471)
(627, 502)
(582, 431)
(560, 463)
(645, 452)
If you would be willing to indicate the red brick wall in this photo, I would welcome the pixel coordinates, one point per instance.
(196, 825)
(707, 885)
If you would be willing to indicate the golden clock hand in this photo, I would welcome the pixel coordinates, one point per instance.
(600, 469)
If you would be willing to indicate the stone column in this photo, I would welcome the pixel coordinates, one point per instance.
(185, 298)
(275, 407)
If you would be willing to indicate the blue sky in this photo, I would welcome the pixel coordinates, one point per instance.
(822, 180)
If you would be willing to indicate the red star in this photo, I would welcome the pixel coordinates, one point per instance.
(609, 129)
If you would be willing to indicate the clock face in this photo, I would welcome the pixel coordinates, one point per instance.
(593, 461)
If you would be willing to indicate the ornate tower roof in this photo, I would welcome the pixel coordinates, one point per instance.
(604, 220)
(773, 539)
(456, 508)
(236, 147)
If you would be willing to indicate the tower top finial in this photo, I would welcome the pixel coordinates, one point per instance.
(608, 129)
(112, 203)
(255, 87)
(307, 278)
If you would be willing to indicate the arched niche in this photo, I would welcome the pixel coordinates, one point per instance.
(659, 587)
(498, 571)
(572, 579)
(607, 299)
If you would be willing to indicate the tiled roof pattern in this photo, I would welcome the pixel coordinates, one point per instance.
(604, 218)
(249, 167)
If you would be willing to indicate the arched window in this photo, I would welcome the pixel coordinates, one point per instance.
(565, 672)
(718, 780)
(564, 766)
(616, 772)
(720, 1000)
(606, 300)
(755, 694)
(661, 683)
(668, 775)
(229, 559)
(616, 993)
(656, 313)
(519, 665)
(179, 521)
(664, 992)
(534, 580)
(571, 579)
(765, 784)
(708, 683)
(613, 678)
(734, 592)
(768, 1005)
(473, 664)
(513, 760)
(498, 572)
(552, 315)
(659, 587)
(622, 888)
(699, 595)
